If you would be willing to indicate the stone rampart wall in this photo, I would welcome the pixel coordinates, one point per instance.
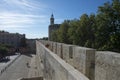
(55, 68)
(84, 61)
(95, 65)
(107, 66)
(81, 58)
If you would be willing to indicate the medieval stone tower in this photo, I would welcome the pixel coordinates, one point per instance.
(52, 20)
(52, 27)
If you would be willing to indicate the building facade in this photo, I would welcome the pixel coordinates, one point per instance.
(52, 26)
(13, 39)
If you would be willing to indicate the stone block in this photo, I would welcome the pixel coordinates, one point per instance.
(60, 50)
(107, 66)
(84, 61)
(67, 52)
(55, 47)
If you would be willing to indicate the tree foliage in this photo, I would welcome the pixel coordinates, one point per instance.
(100, 31)
(3, 50)
(108, 26)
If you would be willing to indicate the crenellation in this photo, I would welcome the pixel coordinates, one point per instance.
(95, 65)
(55, 68)
(59, 49)
(107, 66)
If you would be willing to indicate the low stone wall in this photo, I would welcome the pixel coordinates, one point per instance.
(102, 65)
(107, 66)
(68, 53)
(81, 58)
(55, 68)
(59, 49)
(84, 61)
(55, 47)
(31, 45)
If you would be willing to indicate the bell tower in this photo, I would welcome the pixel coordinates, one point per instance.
(52, 20)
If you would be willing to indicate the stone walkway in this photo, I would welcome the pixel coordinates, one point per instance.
(17, 69)
(33, 68)
(5, 65)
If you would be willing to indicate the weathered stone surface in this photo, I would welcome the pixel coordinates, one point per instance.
(55, 47)
(84, 61)
(67, 52)
(51, 46)
(81, 58)
(107, 66)
(31, 44)
(55, 68)
(60, 50)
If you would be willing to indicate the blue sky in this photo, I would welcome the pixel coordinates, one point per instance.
(31, 17)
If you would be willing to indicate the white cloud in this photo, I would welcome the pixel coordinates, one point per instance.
(24, 16)
(21, 13)
(16, 19)
(26, 4)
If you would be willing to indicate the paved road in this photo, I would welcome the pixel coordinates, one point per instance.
(17, 70)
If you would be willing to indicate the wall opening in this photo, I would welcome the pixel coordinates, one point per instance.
(71, 52)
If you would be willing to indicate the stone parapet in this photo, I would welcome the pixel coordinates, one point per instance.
(84, 61)
(68, 53)
(107, 66)
(60, 50)
(55, 68)
(96, 65)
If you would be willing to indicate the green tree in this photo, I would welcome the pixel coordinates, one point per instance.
(3, 51)
(91, 28)
(63, 32)
(100, 31)
(72, 31)
(108, 26)
(54, 36)
(82, 29)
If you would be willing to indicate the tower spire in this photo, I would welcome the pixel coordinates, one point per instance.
(52, 19)
(52, 16)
